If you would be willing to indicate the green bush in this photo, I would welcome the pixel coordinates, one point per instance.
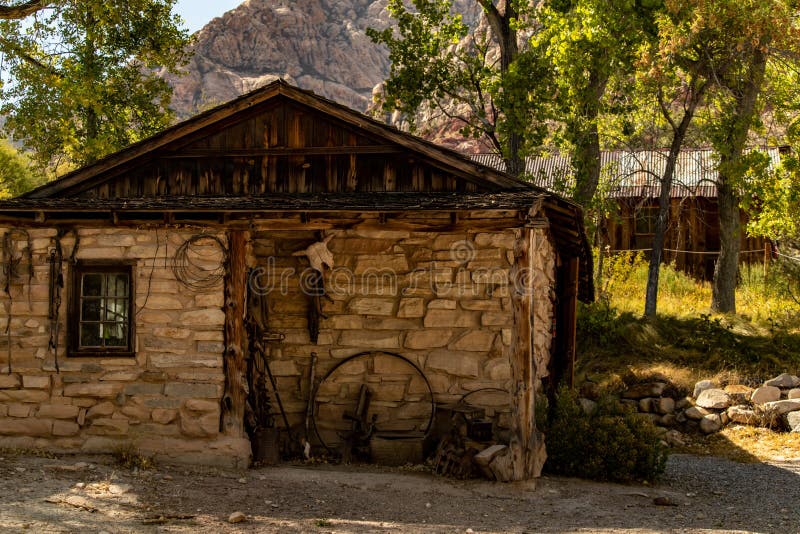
(611, 444)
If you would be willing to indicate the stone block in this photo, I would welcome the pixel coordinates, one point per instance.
(90, 389)
(26, 427)
(144, 388)
(389, 392)
(207, 317)
(65, 428)
(10, 381)
(184, 390)
(380, 264)
(151, 317)
(284, 368)
(370, 339)
(200, 426)
(475, 341)
(411, 307)
(214, 347)
(498, 369)
(58, 411)
(161, 302)
(19, 410)
(163, 416)
(793, 393)
(35, 382)
(493, 305)
(116, 240)
(24, 395)
(454, 363)
(427, 338)
(210, 300)
(442, 304)
(664, 405)
(121, 376)
(765, 394)
(414, 410)
(104, 409)
(450, 319)
(388, 365)
(503, 240)
(106, 426)
(165, 361)
(201, 405)
(371, 306)
(496, 319)
(172, 332)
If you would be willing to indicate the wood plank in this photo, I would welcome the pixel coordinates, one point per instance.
(235, 396)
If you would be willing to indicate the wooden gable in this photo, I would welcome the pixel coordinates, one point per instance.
(278, 139)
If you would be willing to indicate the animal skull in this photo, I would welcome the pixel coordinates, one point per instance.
(318, 254)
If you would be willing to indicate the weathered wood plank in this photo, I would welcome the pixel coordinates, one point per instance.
(235, 397)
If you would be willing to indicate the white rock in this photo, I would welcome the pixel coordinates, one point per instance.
(784, 380)
(237, 517)
(702, 386)
(793, 394)
(783, 406)
(765, 394)
(710, 423)
(793, 421)
(714, 399)
(119, 489)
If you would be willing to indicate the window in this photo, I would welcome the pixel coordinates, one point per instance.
(646, 220)
(101, 310)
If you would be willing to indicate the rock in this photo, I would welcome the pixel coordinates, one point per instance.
(793, 394)
(675, 438)
(713, 399)
(589, 406)
(475, 341)
(640, 391)
(427, 338)
(702, 386)
(646, 405)
(237, 517)
(669, 420)
(119, 489)
(682, 403)
(784, 380)
(783, 406)
(710, 423)
(793, 421)
(742, 415)
(696, 413)
(765, 394)
(664, 405)
(738, 392)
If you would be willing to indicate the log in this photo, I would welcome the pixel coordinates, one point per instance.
(235, 396)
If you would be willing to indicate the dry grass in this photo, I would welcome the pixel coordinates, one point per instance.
(748, 444)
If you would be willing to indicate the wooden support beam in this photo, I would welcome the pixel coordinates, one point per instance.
(527, 454)
(235, 396)
(283, 151)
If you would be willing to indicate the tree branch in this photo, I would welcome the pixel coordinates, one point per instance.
(17, 50)
(20, 11)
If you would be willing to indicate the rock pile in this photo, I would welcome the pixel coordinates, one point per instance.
(775, 404)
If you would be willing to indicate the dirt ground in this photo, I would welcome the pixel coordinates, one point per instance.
(95, 494)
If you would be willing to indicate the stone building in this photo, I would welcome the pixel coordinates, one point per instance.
(161, 297)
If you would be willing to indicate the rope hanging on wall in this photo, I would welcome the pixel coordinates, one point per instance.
(56, 284)
(199, 263)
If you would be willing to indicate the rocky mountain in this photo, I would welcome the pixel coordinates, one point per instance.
(319, 45)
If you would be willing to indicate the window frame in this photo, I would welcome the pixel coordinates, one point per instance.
(81, 268)
(645, 213)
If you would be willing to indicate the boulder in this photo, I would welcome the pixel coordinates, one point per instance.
(765, 394)
(714, 399)
(742, 415)
(675, 438)
(640, 391)
(646, 405)
(783, 406)
(793, 421)
(793, 394)
(664, 405)
(696, 413)
(702, 386)
(710, 423)
(668, 420)
(784, 380)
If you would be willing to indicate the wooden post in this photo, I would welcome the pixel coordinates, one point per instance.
(234, 398)
(526, 445)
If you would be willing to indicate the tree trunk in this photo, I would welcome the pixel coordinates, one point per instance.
(20, 11)
(586, 156)
(235, 397)
(678, 135)
(723, 289)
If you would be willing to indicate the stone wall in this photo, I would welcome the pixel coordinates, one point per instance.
(439, 299)
(163, 401)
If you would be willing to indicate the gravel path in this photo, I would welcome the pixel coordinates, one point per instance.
(703, 494)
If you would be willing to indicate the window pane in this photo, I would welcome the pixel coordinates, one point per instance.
(91, 309)
(115, 335)
(117, 285)
(92, 285)
(116, 310)
(90, 335)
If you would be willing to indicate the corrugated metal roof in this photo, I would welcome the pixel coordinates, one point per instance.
(632, 173)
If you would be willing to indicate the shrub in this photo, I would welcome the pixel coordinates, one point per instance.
(612, 444)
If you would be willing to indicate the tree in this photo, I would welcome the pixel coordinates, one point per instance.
(765, 31)
(485, 78)
(587, 43)
(16, 173)
(82, 75)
